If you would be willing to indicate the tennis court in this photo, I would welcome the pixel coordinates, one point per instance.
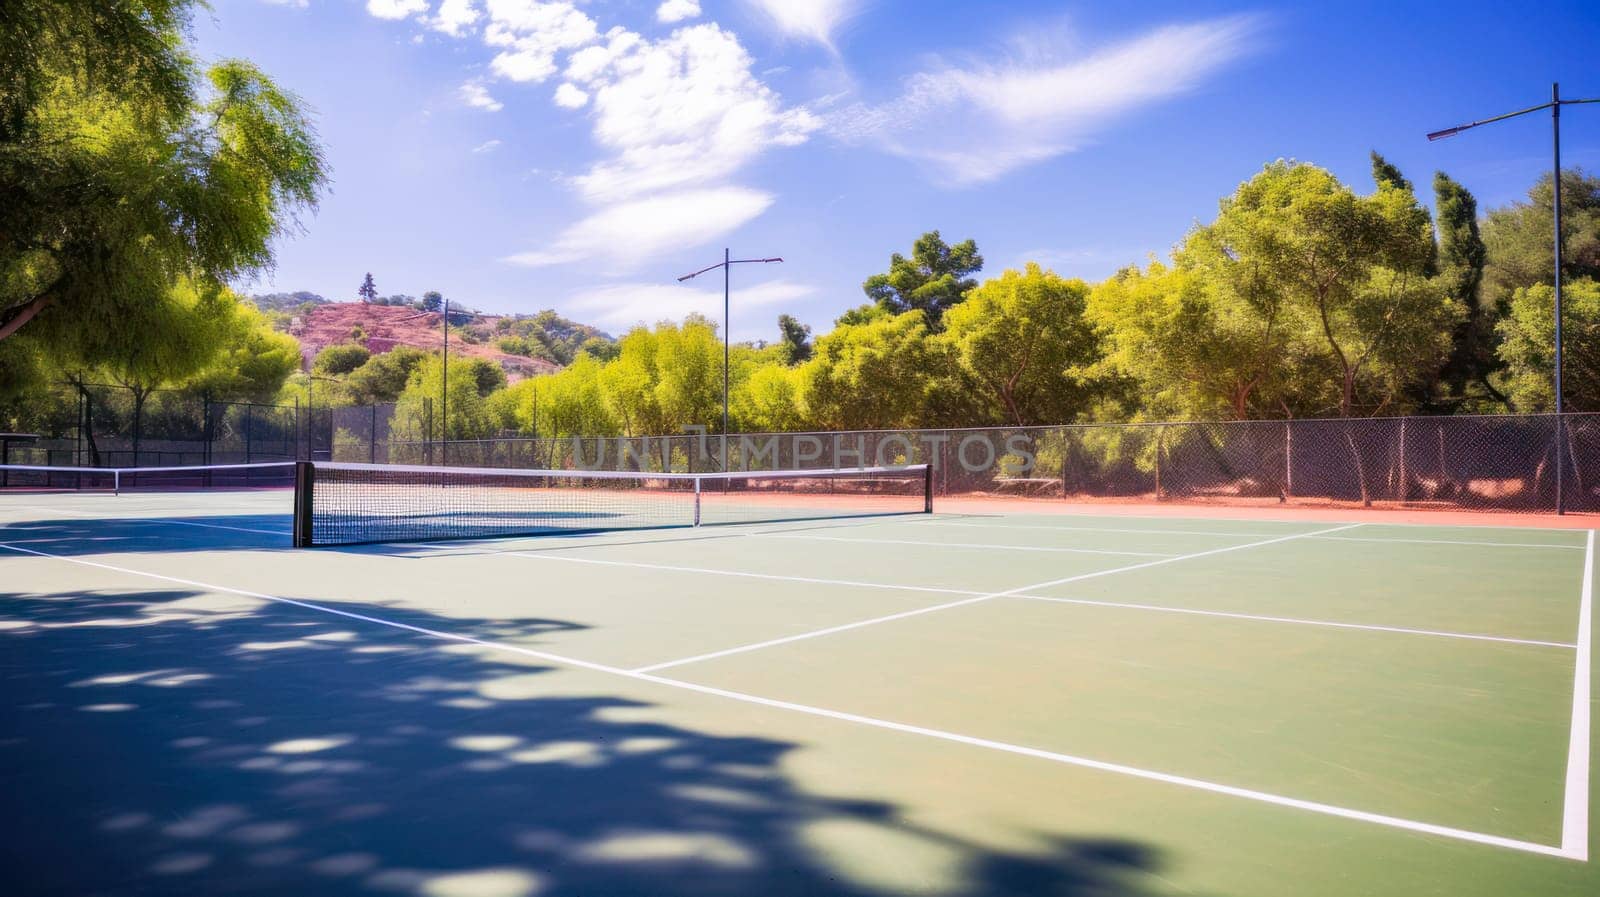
(961, 702)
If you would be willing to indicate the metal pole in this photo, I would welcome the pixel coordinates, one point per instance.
(444, 448)
(726, 268)
(1555, 183)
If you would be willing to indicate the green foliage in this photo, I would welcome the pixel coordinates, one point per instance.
(569, 402)
(934, 279)
(794, 340)
(1528, 340)
(468, 415)
(1520, 237)
(337, 361)
(432, 300)
(383, 377)
(368, 291)
(871, 376)
(1462, 256)
(1024, 337)
(1348, 275)
(119, 184)
(252, 363)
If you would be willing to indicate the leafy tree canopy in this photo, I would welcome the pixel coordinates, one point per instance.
(933, 279)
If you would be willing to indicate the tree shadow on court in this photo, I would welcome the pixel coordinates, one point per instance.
(167, 741)
(71, 537)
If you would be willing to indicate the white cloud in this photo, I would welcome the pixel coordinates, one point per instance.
(620, 306)
(455, 17)
(677, 10)
(976, 123)
(487, 146)
(396, 9)
(477, 96)
(681, 111)
(297, 4)
(531, 33)
(569, 96)
(631, 232)
(809, 19)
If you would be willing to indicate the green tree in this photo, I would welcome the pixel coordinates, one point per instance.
(870, 376)
(1462, 256)
(432, 300)
(253, 363)
(1528, 338)
(569, 402)
(688, 374)
(383, 377)
(467, 417)
(337, 361)
(1520, 238)
(368, 291)
(1024, 337)
(933, 279)
(794, 340)
(1349, 270)
(768, 400)
(124, 168)
(1196, 344)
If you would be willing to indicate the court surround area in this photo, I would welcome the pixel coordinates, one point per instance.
(980, 700)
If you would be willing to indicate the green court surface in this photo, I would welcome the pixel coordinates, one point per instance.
(932, 704)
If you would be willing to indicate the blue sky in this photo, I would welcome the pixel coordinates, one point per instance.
(519, 154)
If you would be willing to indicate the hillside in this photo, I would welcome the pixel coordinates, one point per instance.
(382, 327)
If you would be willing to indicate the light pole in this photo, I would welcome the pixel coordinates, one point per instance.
(444, 398)
(726, 265)
(1555, 104)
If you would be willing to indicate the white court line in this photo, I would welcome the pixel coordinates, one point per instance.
(1087, 529)
(1575, 806)
(1308, 522)
(816, 633)
(1332, 624)
(1191, 532)
(1453, 542)
(998, 546)
(876, 723)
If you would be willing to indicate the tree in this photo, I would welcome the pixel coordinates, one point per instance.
(768, 400)
(870, 376)
(253, 363)
(1023, 336)
(794, 340)
(569, 402)
(432, 300)
(468, 416)
(931, 281)
(383, 377)
(1350, 271)
(337, 361)
(1520, 237)
(1462, 256)
(368, 291)
(1197, 344)
(1528, 337)
(689, 374)
(119, 178)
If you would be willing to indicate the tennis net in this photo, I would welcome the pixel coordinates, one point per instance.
(116, 480)
(345, 504)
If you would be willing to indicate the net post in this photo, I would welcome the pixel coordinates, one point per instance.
(927, 488)
(116, 482)
(696, 501)
(305, 476)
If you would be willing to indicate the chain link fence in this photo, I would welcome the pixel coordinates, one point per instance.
(1478, 463)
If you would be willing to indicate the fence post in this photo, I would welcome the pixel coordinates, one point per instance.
(1160, 445)
(247, 409)
(301, 433)
(372, 436)
(1288, 460)
(1405, 482)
